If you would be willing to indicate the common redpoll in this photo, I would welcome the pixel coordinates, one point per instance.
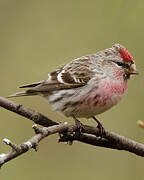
(88, 85)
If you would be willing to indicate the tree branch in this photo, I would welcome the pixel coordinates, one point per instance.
(68, 133)
(36, 117)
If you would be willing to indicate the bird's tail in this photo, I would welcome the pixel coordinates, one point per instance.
(24, 93)
(29, 92)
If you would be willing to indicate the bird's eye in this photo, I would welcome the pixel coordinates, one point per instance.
(120, 63)
(124, 65)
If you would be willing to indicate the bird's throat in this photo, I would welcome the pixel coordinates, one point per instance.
(115, 87)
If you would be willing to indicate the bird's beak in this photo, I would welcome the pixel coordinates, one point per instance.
(133, 70)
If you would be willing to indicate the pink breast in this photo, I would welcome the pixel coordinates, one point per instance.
(115, 87)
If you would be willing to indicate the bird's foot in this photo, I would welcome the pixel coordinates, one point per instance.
(79, 126)
(68, 137)
(102, 130)
(100, 127)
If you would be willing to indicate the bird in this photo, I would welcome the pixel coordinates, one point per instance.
(88, 85)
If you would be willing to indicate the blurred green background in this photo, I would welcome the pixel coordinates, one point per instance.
(38, 36)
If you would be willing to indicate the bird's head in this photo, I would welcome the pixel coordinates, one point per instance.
(126, 61)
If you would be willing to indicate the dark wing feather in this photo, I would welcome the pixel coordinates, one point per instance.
(73, 75)
(31, 85)
(77, 71)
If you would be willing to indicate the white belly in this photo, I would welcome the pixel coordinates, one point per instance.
(86, 105)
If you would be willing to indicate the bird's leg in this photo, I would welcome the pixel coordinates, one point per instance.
(79, 125)
(100, 126)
